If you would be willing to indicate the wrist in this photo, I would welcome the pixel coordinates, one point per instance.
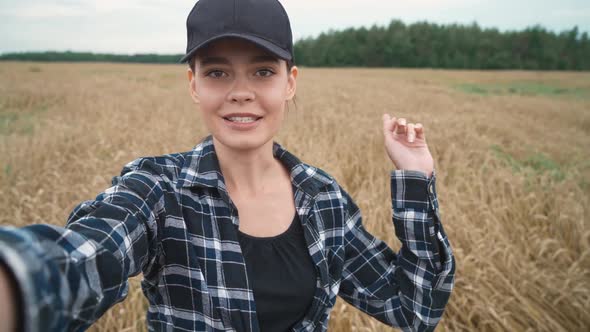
(427, 173)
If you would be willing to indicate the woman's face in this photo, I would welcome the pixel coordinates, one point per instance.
(242, 91)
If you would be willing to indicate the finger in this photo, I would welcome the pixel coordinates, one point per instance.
(386, 122)
(419, 131)
(393, 124)
(411, 134)
(401, 126)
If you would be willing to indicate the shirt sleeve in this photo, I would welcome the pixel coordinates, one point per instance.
(408, 289)
(69, 276)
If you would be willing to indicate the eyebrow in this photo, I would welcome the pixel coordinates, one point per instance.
(214, 60)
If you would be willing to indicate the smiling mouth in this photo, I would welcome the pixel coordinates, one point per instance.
(243, 119)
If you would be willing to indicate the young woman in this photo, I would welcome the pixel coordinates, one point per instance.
(237, 234)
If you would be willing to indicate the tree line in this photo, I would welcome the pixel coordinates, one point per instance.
(447, 46)
(414, 45)
(70, 56)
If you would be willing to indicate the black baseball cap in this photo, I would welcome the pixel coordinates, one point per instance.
(263, 22)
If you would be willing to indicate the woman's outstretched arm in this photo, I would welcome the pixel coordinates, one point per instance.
(67, 277)
(408, 289)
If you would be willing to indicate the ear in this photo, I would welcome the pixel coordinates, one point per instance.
(192, 86)
(292, 82)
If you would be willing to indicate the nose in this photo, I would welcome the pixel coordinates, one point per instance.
(240, 92)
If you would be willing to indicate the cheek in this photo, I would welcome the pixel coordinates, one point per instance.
(211, 98)
(273, 97)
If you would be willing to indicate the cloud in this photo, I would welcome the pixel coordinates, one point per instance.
(42, 10)
(159, 25)
(573, 13)
(35, 9)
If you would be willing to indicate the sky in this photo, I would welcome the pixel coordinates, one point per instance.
(158, 26)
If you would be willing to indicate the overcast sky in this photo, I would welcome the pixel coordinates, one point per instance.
(158, 26)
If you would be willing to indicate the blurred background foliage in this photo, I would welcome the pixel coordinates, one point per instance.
(417, 45)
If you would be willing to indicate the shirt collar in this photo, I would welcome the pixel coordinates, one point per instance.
(201, 169)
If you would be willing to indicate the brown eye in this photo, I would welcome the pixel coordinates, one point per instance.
(265, 72)
(215, 74)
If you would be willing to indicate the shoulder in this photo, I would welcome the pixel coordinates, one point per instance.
(333, 206)
(166, 166)
(330, 190)
(322, 178)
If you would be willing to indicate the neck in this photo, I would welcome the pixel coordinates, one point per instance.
(247, 171)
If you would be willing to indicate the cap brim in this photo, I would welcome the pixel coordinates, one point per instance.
(272, 48)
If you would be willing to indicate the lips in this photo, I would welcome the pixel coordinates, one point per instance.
(242, 121)
(241, 116)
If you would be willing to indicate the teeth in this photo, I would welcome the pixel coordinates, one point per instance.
(241, 119)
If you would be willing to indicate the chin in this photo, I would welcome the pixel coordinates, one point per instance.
(242, 141)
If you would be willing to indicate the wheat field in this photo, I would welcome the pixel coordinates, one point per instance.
(511, 152)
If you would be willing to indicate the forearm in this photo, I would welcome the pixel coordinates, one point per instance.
(426, 256)
(70, 276)
(66, 280)
(416, 217)
(55, 288)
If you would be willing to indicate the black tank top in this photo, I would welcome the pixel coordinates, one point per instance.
(282, 275)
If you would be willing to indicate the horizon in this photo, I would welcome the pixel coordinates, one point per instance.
(338, 30)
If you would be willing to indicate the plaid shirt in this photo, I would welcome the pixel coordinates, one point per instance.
(170, 217)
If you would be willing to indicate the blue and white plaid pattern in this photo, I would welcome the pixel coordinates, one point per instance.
(170, 217)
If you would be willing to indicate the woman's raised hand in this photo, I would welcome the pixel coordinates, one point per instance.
(406, 145)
